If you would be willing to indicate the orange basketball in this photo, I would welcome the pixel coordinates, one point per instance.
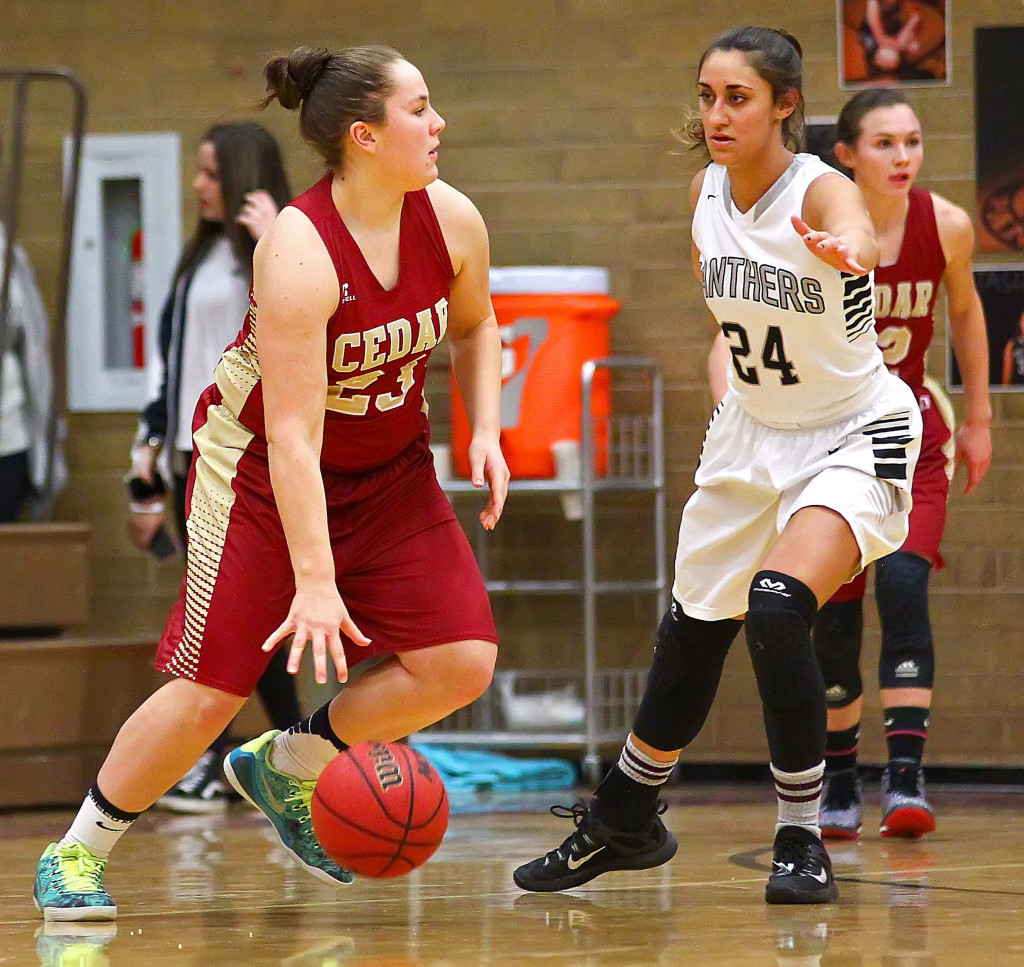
(380, 809)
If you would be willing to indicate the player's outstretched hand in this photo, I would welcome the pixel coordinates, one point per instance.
(829, 248)
(316, 614)
(487, 465)
(973, 451)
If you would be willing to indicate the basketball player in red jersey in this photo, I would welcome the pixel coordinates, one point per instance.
(314, 511)
(926, 242)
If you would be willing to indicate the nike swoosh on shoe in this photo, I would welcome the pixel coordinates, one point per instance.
(576, 864)
(267, 792)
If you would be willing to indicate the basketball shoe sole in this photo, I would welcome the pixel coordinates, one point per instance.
(908, 822)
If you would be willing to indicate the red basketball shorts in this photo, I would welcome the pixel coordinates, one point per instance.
(404, 567)
(930, 488)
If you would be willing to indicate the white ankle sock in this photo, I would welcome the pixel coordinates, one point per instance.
(95, 829)
(301, 755)
(799, 797)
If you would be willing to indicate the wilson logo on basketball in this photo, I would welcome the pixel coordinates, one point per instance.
(389, 773)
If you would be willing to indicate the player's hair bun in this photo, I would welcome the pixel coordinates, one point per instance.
(291, 79)
(793, 41)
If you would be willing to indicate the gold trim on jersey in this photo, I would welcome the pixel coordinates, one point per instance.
(238, 371)
(945, 408)
(220, 444)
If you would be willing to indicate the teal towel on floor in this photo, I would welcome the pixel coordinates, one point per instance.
(473, 769)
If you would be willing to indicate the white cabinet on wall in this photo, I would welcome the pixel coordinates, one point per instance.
(126, 244)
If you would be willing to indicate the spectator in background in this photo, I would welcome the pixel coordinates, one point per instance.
(25, 404)
(240, 184)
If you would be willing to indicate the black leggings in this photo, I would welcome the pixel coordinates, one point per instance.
(276, 688)
(14, 485)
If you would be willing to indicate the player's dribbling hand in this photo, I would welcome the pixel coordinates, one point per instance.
(316, 615)
(827, 247)
(487, 465)
(973, 451)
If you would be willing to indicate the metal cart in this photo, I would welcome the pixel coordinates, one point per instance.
(632, 438)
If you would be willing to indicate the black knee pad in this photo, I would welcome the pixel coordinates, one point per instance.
(778, 624)
(837, 633)
(901, 588)
(683, 679)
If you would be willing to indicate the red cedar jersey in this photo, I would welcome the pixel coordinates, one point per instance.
(378, 340)
(905, 293)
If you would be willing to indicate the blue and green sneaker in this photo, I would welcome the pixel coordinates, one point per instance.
(69, 884)
(285, 801)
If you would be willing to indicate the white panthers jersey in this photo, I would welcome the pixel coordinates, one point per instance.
(801, 333)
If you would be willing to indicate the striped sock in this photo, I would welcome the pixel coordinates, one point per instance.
(841, 749)
(906, 728)
(799, 797)
(641, 768)
(628, 794)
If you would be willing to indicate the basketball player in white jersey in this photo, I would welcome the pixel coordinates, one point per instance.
(804, 475)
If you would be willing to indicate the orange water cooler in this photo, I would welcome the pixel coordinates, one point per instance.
(552, 320)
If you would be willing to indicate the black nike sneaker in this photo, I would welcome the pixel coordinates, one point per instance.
(594, 848)
(801, 869)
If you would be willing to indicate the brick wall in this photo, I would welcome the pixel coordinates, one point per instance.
(559, 116)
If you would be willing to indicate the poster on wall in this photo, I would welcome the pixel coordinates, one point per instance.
(885, 43)
(999, 138)
(1001, 288)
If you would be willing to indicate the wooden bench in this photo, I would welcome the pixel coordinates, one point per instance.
(64, 698)
(44, 575)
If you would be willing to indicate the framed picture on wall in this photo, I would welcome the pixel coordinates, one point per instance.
(893, 42)
(998, 95)
(1001, 288)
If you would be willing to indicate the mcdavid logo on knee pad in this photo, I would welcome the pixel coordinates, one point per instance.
(772, 587)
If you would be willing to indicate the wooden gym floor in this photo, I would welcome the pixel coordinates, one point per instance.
(213, 892)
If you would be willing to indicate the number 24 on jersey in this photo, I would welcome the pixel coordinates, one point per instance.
(773, 355)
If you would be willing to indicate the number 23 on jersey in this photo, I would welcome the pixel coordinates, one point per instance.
(364, 354)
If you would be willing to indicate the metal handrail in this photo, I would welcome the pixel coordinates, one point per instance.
(22, 78)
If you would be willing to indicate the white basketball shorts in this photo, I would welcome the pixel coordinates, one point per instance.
(753, 478)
